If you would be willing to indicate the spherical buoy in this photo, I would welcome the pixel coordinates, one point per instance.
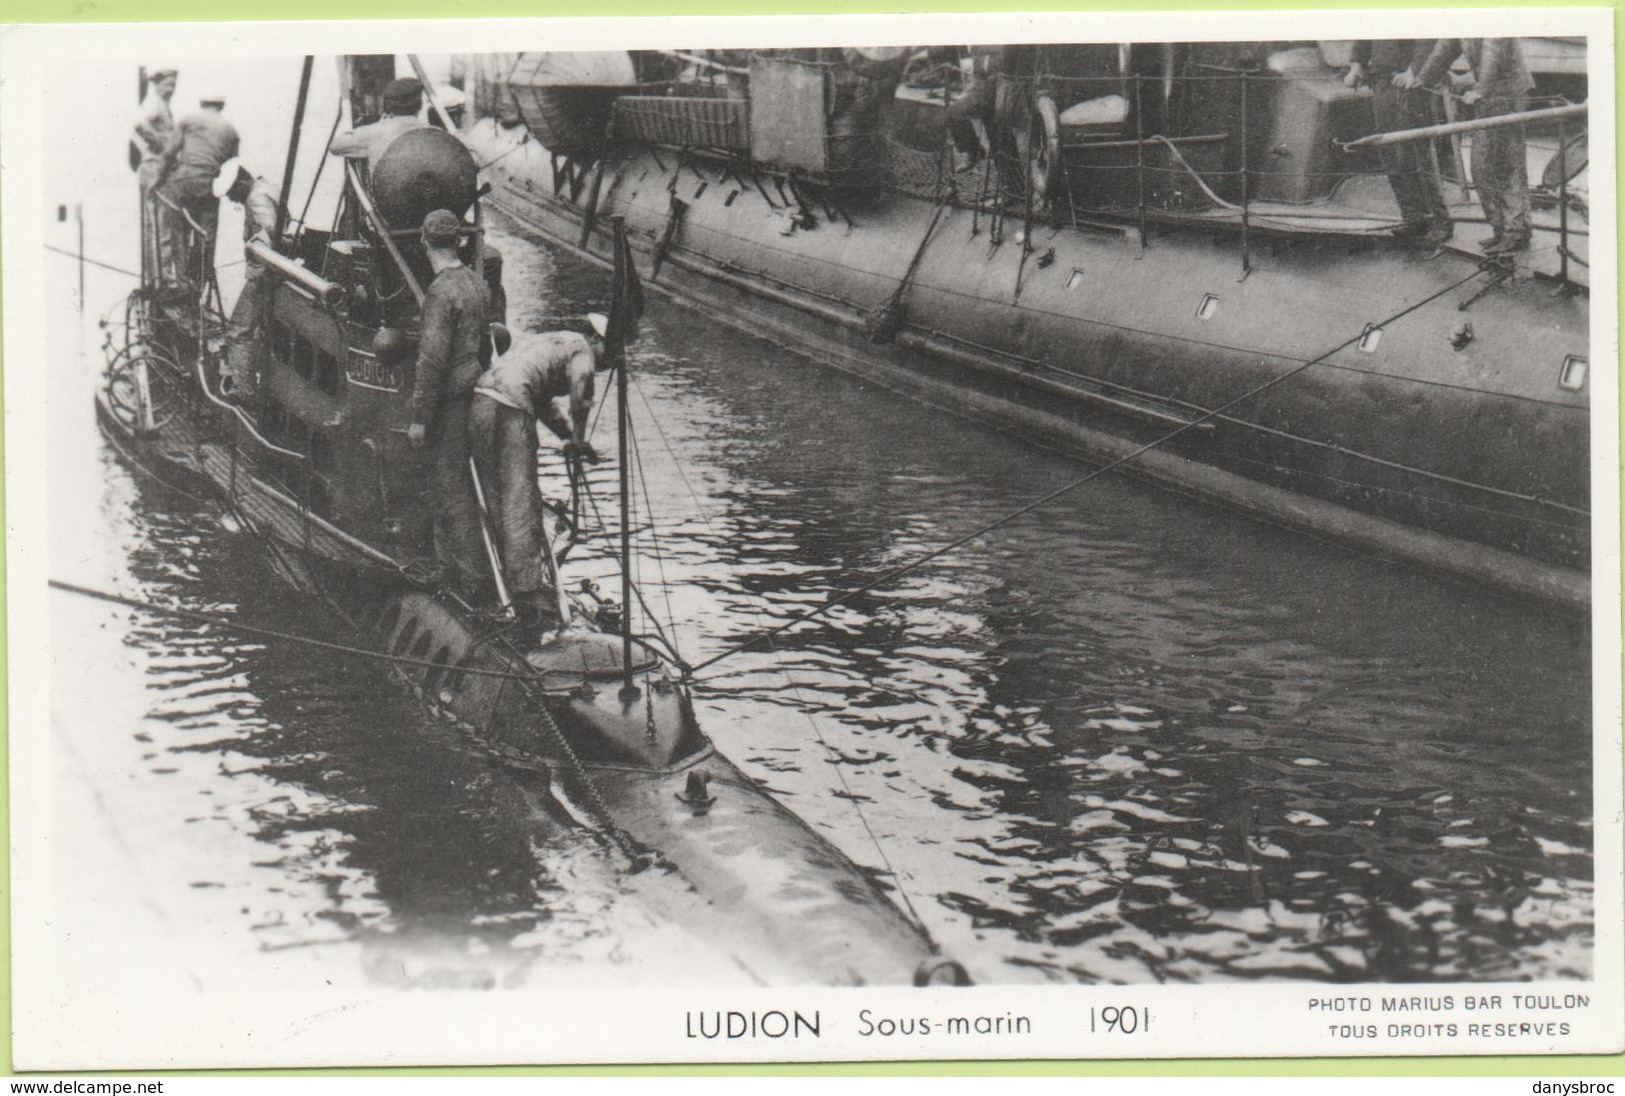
(420, 171)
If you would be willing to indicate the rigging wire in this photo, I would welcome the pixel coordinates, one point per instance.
(233, 624)
(857, 809)
(92, 262)
(654, 538)
(983, 530)
(798, 697)
(321, 165)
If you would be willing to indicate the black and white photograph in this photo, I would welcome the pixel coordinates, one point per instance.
(803, 539)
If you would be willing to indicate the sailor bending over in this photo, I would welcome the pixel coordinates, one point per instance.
(531, 382)
(455, 318)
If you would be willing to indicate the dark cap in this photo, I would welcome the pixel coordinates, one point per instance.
(160, 74)
(440, 228)
(403, 96)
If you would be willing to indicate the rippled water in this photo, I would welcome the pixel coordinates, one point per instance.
(1127, 738)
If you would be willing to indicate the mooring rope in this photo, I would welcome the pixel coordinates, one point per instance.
(981, 531)
(595, 802)
(233, 624)
(92, 262)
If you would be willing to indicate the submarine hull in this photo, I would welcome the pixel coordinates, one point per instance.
(736, 869)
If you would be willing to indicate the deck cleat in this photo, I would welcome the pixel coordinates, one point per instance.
(696, 793)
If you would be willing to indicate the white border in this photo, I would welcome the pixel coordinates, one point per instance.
(423, 1029)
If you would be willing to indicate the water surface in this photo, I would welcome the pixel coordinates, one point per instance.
(1126, 738)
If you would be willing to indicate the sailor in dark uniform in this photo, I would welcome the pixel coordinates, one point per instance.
(455, 318)
(1501, 85)
(199, 147)
(1391, 66)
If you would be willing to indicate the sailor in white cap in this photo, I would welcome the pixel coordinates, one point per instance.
(261, 206)
(201, 143)
(546, 377)
(450, 100)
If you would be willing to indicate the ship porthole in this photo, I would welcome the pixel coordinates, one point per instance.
(437, 672)
(404, 639)
(455, 678)
(1573, 374)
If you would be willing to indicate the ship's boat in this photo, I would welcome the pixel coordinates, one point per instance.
(1177, 258)
(318, 470)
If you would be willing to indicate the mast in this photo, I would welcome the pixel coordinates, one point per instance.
(617, 311)
(293, 146)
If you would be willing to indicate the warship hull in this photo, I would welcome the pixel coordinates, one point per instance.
(1374, 421)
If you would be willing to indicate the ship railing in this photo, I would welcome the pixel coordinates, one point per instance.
(198, 249)
(1560, 115)
(1181, 148)
(200, 243)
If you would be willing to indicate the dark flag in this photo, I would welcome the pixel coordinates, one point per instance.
(626, 306)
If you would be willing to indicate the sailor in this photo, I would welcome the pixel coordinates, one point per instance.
(187, 168)
(261, 207)
(1391, 66)
(154, 122)
(1501, 85)
(975, 104)
(455, 315)
(530, 383)
(403, 102)
(453, 102)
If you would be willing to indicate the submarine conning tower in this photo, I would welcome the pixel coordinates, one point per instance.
(338, 374)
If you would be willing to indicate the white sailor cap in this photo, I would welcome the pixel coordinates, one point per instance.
(228, 175)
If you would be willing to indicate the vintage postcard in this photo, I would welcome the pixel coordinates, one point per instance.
(710, 540)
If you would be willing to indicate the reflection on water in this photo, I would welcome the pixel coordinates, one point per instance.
(1127, 738)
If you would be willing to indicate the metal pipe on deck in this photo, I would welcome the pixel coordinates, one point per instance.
(1195, 139)
(707, 63)
(1563, 200)
(1399, 136)
(1246, 187)
(1139, 158)
(329, 293)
